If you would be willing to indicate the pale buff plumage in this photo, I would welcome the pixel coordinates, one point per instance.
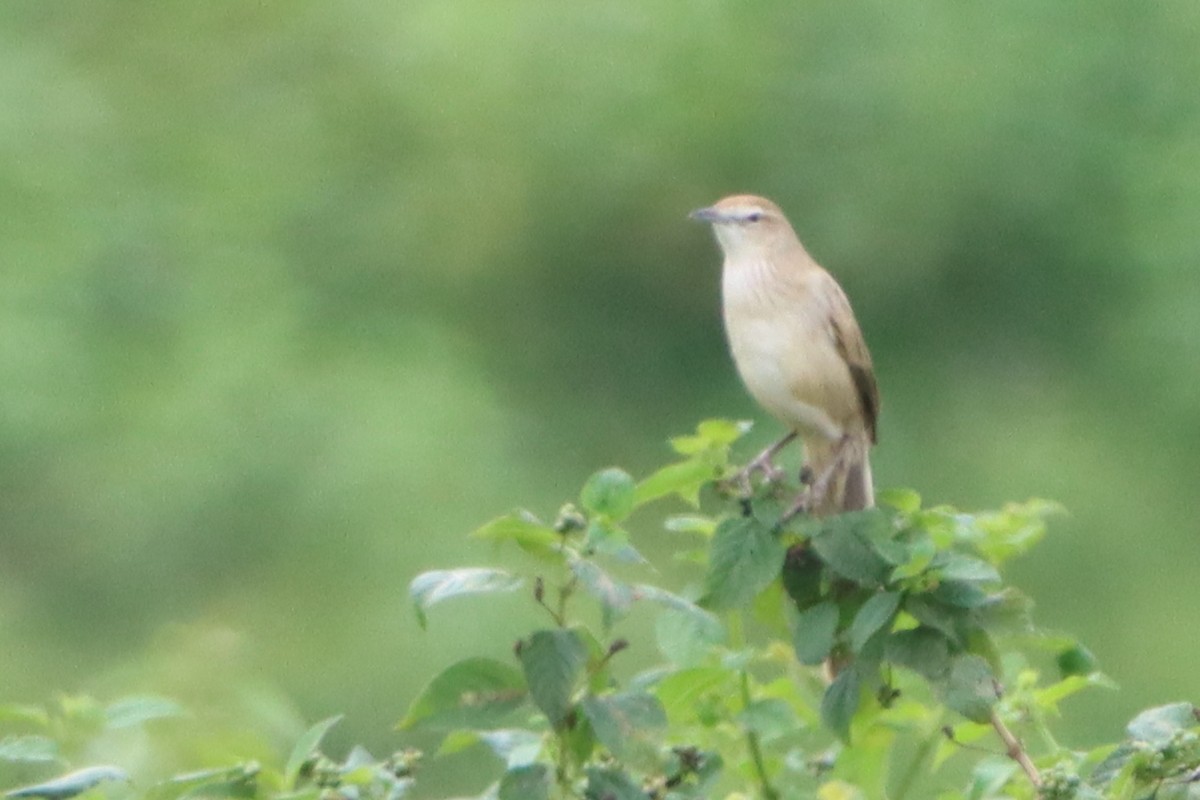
(798, 349)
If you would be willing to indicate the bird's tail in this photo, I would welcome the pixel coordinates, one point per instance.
(848, 486)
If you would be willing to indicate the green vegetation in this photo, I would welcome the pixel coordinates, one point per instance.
(875, 654)
(294, 293)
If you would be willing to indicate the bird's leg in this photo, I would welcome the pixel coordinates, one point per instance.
(801, 505)
(815, 486)
(762, 463)
(820, 484)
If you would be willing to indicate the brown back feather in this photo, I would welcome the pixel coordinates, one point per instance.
(852, 347)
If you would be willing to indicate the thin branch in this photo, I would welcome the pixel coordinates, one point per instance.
(1014, 750)
(760, 767)
(738, 639)
(918, 760)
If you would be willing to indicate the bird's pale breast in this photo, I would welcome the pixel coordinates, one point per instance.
(781, 343)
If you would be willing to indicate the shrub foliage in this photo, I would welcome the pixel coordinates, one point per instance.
(875, 654)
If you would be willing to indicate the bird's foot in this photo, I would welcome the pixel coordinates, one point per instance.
(764, 463)
(741, 483)
(815, 487)
(803, 504)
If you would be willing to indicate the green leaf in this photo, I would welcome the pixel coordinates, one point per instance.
(683, 692)
(919, 551)
(1115, 768)
(579, 740)
(615, 597)
(802, 576)
(553, 661)
(745, 557)
(1048, 698)
(708, 455)
(629, 724)
(874, 615)
(130, 711)
(1006, 611)
(924, 650)
(431, 588)
(683, 478)
(1157, 725)
(691, 523)
(305, 746)
(514, 746)
(71, 784)
(723, 432)
(611, 783)
(982, 645)
(670, 600)
(1076, 660)
(24, 713)
(711, 434)
(770, 718)
(526, 531)
(990, 775)
(971, 688)
(609, 492)
(894, 552)
(685, 633)
(606, 537)
(685, 638)
(1012, 531)
(769, 607)
(475, 693)
(958, 567)
(957, 735)
(33, 749)
(235, 781)
(845, 544)
(960, 594)
(526, 782)
(929, 612)
(840, 702)
(813, 632)
(906, 501)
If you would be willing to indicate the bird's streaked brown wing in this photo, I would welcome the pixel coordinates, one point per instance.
(852, 347)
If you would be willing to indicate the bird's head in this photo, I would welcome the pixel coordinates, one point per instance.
(746, 224)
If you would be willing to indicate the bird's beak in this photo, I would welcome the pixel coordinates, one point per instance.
(707, 215)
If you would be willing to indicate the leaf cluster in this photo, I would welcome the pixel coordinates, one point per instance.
(856, 655)
(867, 655)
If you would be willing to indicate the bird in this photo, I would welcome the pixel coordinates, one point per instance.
(799, 351)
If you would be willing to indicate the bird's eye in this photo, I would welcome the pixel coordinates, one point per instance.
(754, 216)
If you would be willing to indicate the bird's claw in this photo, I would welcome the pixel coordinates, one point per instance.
(771, 473)
(741, 481)
(802, 505)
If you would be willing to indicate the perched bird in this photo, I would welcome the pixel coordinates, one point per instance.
(799, 352)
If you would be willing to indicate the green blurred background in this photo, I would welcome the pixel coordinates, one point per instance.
(295, 295)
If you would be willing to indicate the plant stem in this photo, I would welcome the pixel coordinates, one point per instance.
(1014, 750)
(562, 766)
(760, 767)
(918, 760)
(738, 640)
(1040, 721)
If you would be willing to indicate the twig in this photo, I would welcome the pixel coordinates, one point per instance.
(760, 767)
(539, 596)
(737, 639)
(918, 760)
(1014, 750)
